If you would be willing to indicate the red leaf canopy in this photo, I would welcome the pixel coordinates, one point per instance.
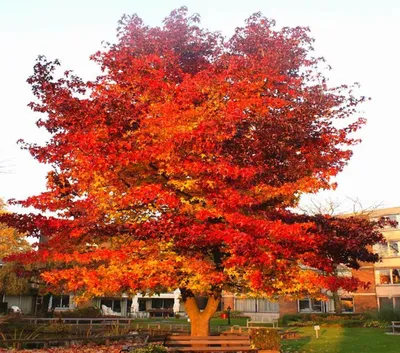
(177, 167)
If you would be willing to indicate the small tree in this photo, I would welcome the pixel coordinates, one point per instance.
(329, 209)
(176, 168)
(11, 242)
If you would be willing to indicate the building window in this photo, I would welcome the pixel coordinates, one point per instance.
(394, 248)
(142, 304)
(347, 305)
(396, 303)
(258, 305)
(392, 218)
(60, 301)
(311, 305)
(395, 276)
(389, 249)
(114, 304)
(385, 303)
(317, 306)
(246, 305)
(388, 276)
(267, 306)
(162, 303)
(384, 277)
(389, 303)
(304, 305)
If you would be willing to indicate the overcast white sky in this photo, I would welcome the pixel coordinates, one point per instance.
(359, 38)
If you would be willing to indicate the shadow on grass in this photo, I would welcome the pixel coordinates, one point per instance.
(298, 345)
(295, 345)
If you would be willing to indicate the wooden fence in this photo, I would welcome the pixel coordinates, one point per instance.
(67, 342)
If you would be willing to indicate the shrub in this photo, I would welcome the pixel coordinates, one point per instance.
(116, 329)
(11, 319)
(265, 338)
(89, 311)
(333, 318)
(352, 323)
(375, 323)
(19, 335)
(327, 319)
(302, 323)
(234, 314)
(385, 314)
(150, 349)
(285, 319)
(58, 328)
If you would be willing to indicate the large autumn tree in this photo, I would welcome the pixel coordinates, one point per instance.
(177, 167)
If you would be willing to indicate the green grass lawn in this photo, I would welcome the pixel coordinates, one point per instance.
(343, 340)
(224, 322)
(331, 339)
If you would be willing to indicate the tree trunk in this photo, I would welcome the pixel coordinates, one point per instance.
(45, 305)
(200, 321)
(337, 302)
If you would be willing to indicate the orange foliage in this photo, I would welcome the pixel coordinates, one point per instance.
(115, 348)
(11, 241)
(177, 166)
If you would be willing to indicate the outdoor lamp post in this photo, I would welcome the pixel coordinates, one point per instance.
(228, 309)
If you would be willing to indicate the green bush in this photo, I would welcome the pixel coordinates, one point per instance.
(116, 330)
(19, 334)
(352, 323)
(385, 314)
(375, 323)
(302, 323)
(234, 314)
(150, 349)
(319, 318)
(12, 319)
(58, 328)
(265, 338)
(327, 319)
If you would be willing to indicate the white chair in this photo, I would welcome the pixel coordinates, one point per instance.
(104, 309)
(16, 310)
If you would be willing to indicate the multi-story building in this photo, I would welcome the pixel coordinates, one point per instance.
(387, 272)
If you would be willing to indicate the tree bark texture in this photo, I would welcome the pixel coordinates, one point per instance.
(337, 302)
(200, 321)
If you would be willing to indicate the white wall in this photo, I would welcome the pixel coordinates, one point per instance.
(23, 302)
